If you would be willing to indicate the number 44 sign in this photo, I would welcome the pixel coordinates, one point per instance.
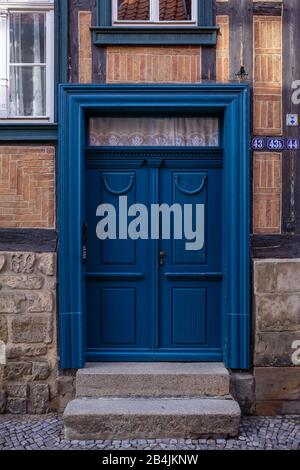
(292, 144)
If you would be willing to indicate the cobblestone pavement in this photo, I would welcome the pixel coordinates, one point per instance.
(45, 432)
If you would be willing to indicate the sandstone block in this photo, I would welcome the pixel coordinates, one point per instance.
(23, 262)
(3, 330)
(65, 391)
(16, 406)
(17, 390)
(278, 407)
(38, 402)
(22, 282)
(278, 312)
(264, 277)
(32, 329)
(277, 383)
(34, 351)
(47, 264)
(40, 370)
(11, 303)
(13, 352)
(288, 276)
(41, 302)
(274, 348)
(242, 388)
(17, 370)
(2, 262)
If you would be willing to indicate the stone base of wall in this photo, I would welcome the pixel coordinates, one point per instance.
(28, 344)
(277, 336)
(277, 390)
(30, 381)
(242, 388)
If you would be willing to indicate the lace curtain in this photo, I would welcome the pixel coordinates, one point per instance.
(27, 71)
(151, 131)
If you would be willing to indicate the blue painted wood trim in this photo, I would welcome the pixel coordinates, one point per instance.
(61, 45)
(77, 102)
(152, 36)
(28, 132)
(205, 33)
(163, 356)
(104, 12)
(205, 13)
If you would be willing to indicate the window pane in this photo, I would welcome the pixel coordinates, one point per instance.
(148, 131)
(134, 10)
(27, 92)
(175, 10)
(27, 37)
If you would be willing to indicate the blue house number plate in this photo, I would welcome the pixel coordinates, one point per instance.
(274, 143)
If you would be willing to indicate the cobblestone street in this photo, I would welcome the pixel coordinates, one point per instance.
(45, 433)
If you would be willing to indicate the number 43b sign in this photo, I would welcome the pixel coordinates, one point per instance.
(274, 143)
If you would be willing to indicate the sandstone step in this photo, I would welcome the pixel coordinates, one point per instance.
(155, 379)
(150, 418)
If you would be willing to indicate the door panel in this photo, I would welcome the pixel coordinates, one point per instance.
(116, 270)
(190, 295)
(188, 188)
(188, 315)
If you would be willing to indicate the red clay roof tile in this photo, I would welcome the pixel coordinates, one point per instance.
(169, 10)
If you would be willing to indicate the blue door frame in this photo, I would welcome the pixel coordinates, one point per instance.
(231, 103)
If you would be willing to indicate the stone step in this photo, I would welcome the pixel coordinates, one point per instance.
(155, 379)
(150, 418)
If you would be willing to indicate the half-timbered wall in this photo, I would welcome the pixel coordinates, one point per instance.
(263, 38)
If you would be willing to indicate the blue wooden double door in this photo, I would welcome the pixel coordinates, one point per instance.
(154, 298)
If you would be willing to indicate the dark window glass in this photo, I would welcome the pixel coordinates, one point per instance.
(175, 10)
(134, 10)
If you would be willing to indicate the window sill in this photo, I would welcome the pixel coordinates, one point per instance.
(154, 35)
(21, 132)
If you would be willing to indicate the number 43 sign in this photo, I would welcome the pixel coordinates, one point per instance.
(274, 143)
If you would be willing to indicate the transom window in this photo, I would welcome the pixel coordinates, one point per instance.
(26, 66)
(154, 131)
(126, 12)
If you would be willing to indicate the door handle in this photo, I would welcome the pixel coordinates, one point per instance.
(162, 255)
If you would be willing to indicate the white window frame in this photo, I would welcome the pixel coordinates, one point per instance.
(7, 7)
(154, 17)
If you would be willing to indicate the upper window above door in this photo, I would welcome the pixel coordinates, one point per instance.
(155, 22)
(26, 65)
(154, 132)
(155, 12)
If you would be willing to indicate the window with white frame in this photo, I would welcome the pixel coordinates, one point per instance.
(154, 12)
(26, 65)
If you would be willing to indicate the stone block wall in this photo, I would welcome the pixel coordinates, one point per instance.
(277, 336)
(28, 339)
